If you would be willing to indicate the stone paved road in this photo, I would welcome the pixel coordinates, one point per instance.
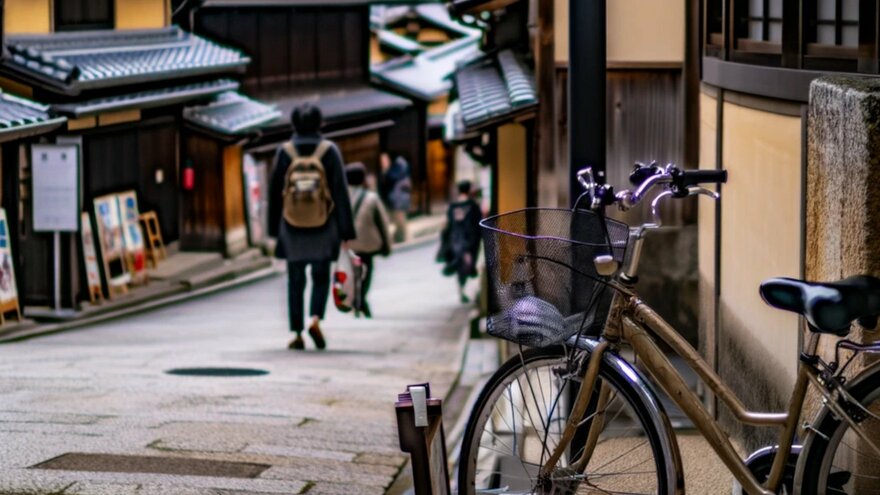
(323, 421)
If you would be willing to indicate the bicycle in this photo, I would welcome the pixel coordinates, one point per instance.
(571, 415)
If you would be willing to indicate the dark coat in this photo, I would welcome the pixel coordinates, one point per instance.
(461, 236)
(319, 243)
(396, 186)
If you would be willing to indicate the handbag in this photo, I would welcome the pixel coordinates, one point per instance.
(348, 277)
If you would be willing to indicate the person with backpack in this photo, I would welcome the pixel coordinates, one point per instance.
(310, 215)
(460, 239)
(371, 227)
(396, 191)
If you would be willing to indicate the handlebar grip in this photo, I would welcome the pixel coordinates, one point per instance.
(695, 177)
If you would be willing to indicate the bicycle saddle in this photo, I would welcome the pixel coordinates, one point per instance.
(828, 307)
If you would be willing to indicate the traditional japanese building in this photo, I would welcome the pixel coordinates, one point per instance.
(415, 51)
(122, 75)
(316, 52)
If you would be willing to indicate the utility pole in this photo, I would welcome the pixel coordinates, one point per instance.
(586, 90)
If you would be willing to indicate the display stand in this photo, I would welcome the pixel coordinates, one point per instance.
(90, 259)
(112, 245)
(135, 249)
(8, 290)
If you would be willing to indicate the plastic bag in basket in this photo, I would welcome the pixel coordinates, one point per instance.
(530, 321)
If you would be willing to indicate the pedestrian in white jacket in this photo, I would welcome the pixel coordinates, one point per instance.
(370, 225)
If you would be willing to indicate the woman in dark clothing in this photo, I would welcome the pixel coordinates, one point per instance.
(460, 243)
(315, 246)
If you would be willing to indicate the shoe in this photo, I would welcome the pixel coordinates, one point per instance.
(366, 310)
(297, 344)
(315, 334)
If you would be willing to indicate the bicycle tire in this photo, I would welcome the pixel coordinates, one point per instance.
(822, 467)
(666, 467)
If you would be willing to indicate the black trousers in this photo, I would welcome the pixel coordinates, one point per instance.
(296, 287)
(367, 259)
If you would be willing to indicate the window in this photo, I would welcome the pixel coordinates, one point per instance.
(714, 27)
(82, 15)
(760, 30)
(833, 31)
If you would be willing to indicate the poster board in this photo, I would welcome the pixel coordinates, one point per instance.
(133, 236)
(8, 288)
(255, 185)
(112, 244)
(55, 182)
(90, 259)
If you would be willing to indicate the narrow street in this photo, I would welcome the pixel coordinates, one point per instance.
(319, 422)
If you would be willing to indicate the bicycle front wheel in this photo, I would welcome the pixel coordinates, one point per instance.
(836, 460)
(519, 418)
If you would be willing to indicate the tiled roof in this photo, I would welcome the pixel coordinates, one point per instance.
(231, 113)
(93, 59)
(147, 99)
(495, 89)
(338, 105)
(425, 75)
(20, 117)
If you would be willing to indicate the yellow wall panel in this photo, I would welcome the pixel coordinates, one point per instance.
(27, 16)
(761, 229)
(141, 14)
(511, 177)
(638, 31)
(706, 220)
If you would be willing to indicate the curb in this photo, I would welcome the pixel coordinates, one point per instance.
(174, 296)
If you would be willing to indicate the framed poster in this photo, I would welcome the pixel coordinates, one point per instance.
(132, 234)
(55, 180)
(8, 288)
(111, 243)
(90, 258)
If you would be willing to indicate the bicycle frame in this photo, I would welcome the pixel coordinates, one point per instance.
(632, 321)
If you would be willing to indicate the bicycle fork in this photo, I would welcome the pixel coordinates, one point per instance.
(577, 412)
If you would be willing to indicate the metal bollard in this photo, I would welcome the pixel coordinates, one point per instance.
(420, 429)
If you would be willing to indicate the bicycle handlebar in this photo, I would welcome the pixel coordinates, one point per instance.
(678, 184)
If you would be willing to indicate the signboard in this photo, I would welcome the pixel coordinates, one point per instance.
(90, 258)
(254, 172)
(131, 232)
(111, 242)
(55, 179)
(8, 288)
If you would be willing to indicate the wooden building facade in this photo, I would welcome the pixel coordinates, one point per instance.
(311, 51)
(122, 77)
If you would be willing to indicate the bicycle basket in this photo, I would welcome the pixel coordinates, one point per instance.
(543, 284)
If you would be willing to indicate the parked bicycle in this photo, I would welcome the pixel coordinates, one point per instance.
(570, 413)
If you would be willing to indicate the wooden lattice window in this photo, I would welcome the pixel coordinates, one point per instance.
(760, 28)
(83, 15)
(833, 28)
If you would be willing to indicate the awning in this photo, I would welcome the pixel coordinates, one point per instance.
(22, 118)
(153, 98)
(231, 114)
(494, 90)
(71, 62)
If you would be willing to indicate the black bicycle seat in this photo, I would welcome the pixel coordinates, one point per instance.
(828, 307)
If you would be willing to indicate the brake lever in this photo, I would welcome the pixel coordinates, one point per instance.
(702, 191)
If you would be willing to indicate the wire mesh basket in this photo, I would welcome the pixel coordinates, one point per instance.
(543, 284)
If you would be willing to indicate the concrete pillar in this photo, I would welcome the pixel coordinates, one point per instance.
(843, 195)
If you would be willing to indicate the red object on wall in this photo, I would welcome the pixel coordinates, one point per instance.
(189, 176)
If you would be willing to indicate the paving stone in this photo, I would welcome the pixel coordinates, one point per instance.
(323, 420)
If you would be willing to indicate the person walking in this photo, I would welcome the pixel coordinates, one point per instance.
(371, 226)
(310, 215)
(460, 240)
(396, 190)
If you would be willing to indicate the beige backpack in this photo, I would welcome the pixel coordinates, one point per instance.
(307, 199)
